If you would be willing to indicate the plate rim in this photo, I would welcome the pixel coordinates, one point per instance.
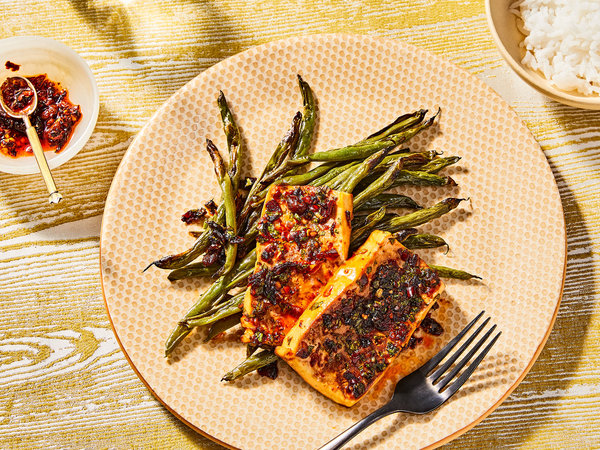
(291, 40)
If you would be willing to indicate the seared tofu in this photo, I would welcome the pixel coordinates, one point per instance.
(348, 337)
(303, 237)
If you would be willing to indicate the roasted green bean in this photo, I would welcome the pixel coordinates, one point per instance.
(361, 171)
(390, 201)
(360, 234)
(366, 149)
(435, 165)
(192, 270)
(400, 124)
(234, 142)
(448, 272)
(179, 260)
(420, 178)
(383, 183)
(284, 148)
(228, 308)
(425, 240)
(307, 126)
(420, 217)
(229, 204)
(223, 325)
(252, 363)
(217, 289)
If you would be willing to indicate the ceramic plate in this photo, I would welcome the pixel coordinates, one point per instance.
(511, 232)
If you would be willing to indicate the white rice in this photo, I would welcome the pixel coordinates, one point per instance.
(562, 41)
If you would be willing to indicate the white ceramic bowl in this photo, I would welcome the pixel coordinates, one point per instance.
(503, 26)
(38, 55)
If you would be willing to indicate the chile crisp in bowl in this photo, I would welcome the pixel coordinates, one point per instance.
(34, 56)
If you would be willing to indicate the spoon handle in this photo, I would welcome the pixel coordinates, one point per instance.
(34, 140)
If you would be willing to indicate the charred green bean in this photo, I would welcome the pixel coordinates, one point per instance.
(448, 272)
(234, 142)
(223, 325)
(229, 204)
(252, 363)
(421, 216)
(390, 201)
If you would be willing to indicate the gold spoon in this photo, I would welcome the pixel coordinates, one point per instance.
(34, 140)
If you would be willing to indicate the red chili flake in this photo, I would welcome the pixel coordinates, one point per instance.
(414, 341)
(211, 207)
(295, 204)
(431, 326)
(193, 216)
(304, 351)
(12, 66)
(272, 206)
(270, 371)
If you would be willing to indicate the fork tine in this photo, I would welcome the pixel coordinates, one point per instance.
(437, 358)
(463, 362)
(438, 373)
(467, 373)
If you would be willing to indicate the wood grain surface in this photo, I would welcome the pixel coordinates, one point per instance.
(64, 382)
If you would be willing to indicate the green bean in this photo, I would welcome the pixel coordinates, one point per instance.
(251, 349)
(306, 178)
(359, 235)
(230, 307)
(361, 171)
(435, 165)
(383, 183)
(335, 174)
(217, 289)
(223, 325)
(400, 124)
(353, 152)
(390, 201)
(307, 126)
(281, 152)
(252, 363)
(234, 142)
(425, 240)
(181, 259)
(366, 149)
(411, 161)
(229, 203)
(419, 178)
(448, 272)
(192, 270)
(421, 216)
(285, 146)
(289, 142)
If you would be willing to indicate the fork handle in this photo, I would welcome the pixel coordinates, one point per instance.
(344, 437)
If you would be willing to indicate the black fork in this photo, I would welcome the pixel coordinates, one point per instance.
(425, 390)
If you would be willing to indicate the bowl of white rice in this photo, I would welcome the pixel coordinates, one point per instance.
(554, 45)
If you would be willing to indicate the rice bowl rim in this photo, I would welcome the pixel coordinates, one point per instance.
(501, 18)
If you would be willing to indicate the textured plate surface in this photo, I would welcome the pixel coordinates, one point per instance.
(511, 233)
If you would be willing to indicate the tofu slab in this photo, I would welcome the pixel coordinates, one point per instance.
(304, 235)
(348, 337)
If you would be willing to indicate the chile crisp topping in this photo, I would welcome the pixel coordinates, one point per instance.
(357, 339)
(54, 119)
(16, 94)
(297, 254)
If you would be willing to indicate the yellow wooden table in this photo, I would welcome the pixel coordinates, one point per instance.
(63, 380)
